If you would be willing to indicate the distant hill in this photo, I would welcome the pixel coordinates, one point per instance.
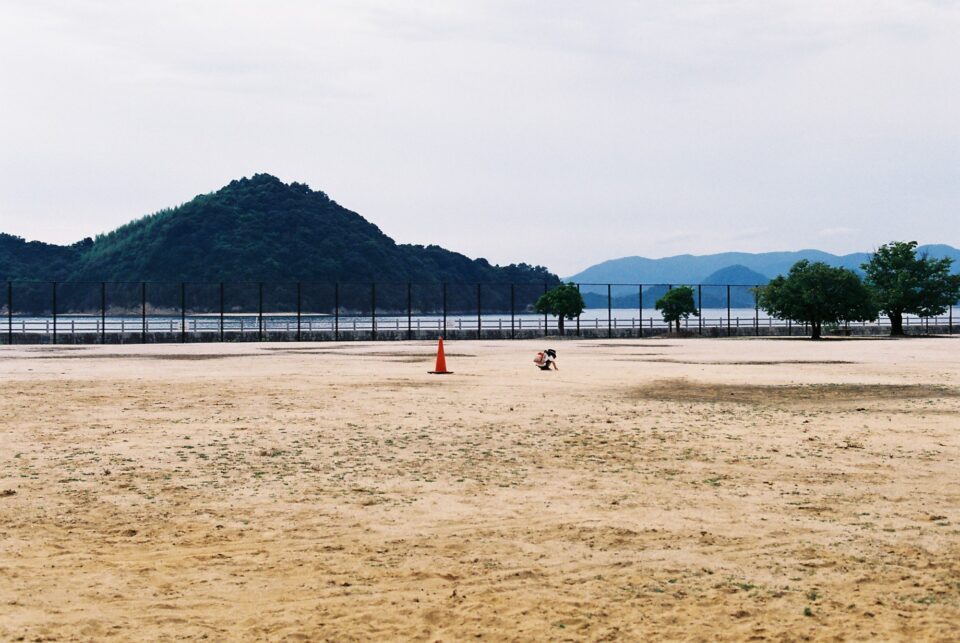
(711, 293)
(745, 268)
(738, 275)
(260, 229)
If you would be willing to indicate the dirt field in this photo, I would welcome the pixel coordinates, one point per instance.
(650, 489)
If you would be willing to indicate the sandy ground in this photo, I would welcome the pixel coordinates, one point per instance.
(740, 489)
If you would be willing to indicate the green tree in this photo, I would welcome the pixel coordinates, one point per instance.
(564, 301)
(677, 304)
(903, 282)
(815, 293)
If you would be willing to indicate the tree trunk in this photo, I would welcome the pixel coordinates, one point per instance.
(560, 324)
(678, 326)
(896, 324)
(815, 326)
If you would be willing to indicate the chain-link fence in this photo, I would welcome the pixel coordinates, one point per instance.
(120, 312)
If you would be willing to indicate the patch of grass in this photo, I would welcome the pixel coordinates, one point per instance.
(929, 599)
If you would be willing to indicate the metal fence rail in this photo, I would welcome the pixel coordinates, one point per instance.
(106, 312)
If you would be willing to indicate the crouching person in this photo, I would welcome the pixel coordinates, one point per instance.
(545, 359)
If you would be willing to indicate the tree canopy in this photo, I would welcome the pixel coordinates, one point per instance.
(677, 304)
(815, 294)
(564, 302)
(904, 282)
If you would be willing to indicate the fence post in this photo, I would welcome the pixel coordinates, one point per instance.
(444, 308)
(479, 311)
(756, 310)
(103, 312)
(10, 312)
(299, 308)
(260, 311)
(728, 310)
(700, 309)
(609, 311)
(545, 314)
(183, 312)
(409, 311)
(640, 299)
(221, 312)
(578, 314)
(373, 311)
(54, 312)
(513, 309)
(336, 311)
(143, 312)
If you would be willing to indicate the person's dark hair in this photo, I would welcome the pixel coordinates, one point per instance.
(551, 352)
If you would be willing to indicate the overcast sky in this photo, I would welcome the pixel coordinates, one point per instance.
(558, 132)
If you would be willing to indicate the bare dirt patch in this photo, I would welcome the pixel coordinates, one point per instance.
(683, 390)
(190, 357)
(621, 346)
(372, 354)
(667, 360)
(397, 383)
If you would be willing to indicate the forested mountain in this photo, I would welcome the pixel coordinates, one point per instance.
(256, 229)
(21, 259)
(260, 229)
(704, 269)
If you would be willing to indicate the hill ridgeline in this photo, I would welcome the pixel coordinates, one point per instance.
(254, 229)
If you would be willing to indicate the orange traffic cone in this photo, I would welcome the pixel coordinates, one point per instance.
(441, 368)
